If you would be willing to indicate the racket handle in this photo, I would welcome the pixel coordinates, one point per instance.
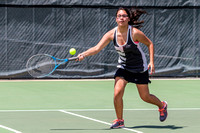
(73, 58)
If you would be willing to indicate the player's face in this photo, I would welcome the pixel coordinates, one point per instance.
(122, 18)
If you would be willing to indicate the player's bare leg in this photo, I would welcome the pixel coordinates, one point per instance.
(119, 87)
(143, 90)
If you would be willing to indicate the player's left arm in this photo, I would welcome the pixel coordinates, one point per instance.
(141, 37)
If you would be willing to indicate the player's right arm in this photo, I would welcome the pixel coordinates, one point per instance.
(105, 40)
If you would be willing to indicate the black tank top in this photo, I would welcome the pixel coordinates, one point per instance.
(131, 56)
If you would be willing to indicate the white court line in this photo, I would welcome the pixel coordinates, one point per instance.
(130, 109)
(49, 110)
(63, 110)
(99, 121)
(10, 129)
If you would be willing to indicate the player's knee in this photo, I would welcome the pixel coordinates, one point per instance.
(118, 96)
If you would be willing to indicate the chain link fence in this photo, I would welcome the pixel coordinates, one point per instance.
(53, 27)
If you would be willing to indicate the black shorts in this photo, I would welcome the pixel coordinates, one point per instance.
(137, 78)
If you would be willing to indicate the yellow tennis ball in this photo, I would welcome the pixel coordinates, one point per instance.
(72, 51)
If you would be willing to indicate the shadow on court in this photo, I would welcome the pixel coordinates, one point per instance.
(172, 127)
(80, 129)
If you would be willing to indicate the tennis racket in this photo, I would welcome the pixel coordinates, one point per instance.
(42, 65)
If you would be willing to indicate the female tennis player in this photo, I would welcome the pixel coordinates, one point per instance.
(132, 64)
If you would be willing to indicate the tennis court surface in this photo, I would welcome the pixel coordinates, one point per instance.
(87, 107)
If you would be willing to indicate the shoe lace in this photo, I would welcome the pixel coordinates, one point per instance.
(161, 111)
(117, 120)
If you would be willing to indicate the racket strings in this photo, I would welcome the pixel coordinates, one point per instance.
(40, 65)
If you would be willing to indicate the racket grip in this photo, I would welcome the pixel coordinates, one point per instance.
(73, 58)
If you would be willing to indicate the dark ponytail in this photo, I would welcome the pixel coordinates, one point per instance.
(134, 15)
